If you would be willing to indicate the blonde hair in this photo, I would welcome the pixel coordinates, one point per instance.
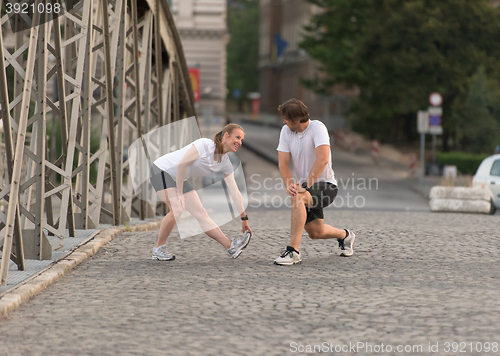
(219, 135)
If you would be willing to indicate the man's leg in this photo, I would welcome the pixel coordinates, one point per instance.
(299, 217)
(317, 229)
(291, 255)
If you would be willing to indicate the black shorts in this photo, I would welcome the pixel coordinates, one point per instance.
(323, 194)
(162, 180)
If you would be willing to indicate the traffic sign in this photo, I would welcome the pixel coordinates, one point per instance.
(434, 120)
(435, 110)
(423, 121)
(435, 99)
(236, 93)
(436, 130)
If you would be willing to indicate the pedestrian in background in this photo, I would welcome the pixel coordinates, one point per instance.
(203, 157)
(307, 144)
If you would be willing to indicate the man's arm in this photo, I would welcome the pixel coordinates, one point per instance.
(286, 175)
(322, 154)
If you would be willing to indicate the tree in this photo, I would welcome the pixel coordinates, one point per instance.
(242, 49)
(399, 51)
(477, 125)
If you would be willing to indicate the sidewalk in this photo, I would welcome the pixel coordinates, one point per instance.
(262, 139)
(24, 285)
(425, 188)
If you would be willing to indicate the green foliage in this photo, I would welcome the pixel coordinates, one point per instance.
(467, 163)
(478, 119)
(242, 49)
(399, 51)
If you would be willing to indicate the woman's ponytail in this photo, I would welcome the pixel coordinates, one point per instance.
(218, 143)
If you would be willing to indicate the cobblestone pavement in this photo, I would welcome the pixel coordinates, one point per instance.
(415, 279)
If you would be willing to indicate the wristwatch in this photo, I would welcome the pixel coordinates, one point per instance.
(304, 185)
(245, 217)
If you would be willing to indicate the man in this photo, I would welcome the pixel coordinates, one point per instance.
(307, 144)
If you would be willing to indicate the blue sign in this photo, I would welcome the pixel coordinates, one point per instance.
(236, 93)
(434, 120)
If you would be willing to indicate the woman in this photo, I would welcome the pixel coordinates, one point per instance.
(203, 157)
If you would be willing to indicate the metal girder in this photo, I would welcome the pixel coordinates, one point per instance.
(18, 257)
(104, 195)
(18, 153)
(118, 73)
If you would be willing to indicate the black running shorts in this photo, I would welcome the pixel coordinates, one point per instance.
(162, 180)
(323, 194)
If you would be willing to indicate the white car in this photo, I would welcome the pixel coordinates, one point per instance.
(488, 175)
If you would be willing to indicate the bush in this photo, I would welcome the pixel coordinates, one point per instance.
(467, 163)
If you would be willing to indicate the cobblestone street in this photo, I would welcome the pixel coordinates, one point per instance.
(415, 279)
(132, 131)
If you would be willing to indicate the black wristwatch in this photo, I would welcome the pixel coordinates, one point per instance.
(245, 217)
(304, 185)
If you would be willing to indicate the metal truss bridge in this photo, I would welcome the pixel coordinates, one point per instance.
(76, 89)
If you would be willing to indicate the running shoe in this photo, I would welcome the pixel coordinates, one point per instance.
(237, 245)
(346, 244)
(288, 257)
(161, 254)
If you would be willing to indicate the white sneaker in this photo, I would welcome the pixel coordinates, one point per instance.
(161, 254)
(288, 257)
(237, 245)
(346, 244)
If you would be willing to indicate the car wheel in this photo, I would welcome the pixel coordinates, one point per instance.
(493, 209)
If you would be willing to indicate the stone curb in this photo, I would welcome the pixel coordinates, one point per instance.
(25, 291)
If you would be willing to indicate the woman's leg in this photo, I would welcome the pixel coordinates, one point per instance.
(168, 222)
(196, 209)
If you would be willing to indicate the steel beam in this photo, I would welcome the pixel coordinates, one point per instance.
(5, 116)
(100, 53)
(18, 153)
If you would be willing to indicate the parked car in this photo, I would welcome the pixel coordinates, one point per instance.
(488, 175)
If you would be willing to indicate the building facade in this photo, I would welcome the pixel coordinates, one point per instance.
(282, 63)
(203, 31)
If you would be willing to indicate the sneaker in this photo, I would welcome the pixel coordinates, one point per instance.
(161, 254)
(346, 244)
(288, 257)
(237, 245)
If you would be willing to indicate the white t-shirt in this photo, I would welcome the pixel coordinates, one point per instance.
(302, 148)
(204, 166)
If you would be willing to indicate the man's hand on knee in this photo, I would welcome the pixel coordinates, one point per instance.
(292, 189)
(300, 189)
(302, 199)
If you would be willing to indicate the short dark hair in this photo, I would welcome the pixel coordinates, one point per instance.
(294, 110)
